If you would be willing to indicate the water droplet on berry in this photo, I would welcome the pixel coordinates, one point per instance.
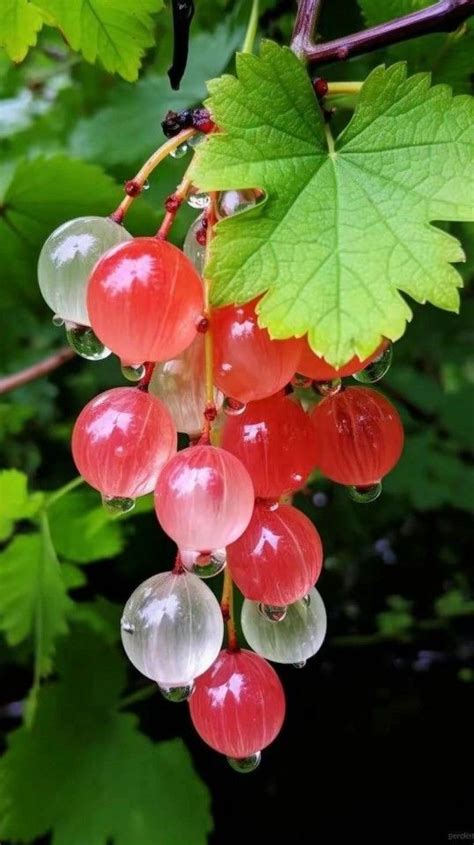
(300, 665)
(133, 372)
(204, 564)
(58, 321)
(117, 504)
(196, 139)
(198, 200)
(377, 368)
(146, 185)
(306, 599)
(127, 627)
(328, 388)
(180, 151)
(245, 764)
(177, 694)
(232, 407)
(86, 343)
(366, 494)
(272, 612)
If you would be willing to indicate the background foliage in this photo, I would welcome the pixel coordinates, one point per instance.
(389, 693)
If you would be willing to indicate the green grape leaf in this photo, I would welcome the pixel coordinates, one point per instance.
(33, 599)
(82, 752)
(15, 501)
(118, 133)
(398, 620)
(115, 31)
(41, 193)
(81, 529)
(346, 224)
(20, 22)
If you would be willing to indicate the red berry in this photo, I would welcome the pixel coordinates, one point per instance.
(238, 705)
(248, 365)
(278, 558)
(311, 365)
(274, 439)
(144, 299)
(320, 87)
(359, 436)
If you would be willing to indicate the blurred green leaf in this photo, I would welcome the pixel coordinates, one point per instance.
(20, 21)
(398, 620)
(81, 529)
(15, 501)
(82, 753)
(454, 603)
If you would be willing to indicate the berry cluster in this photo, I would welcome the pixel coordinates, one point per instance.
(224, 505)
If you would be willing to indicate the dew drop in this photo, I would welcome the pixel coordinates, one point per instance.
(272, 612)
(180, 151)
(328, 388)
(58, 321)
(204, 564)
(300, 665)
(301, 381)
(177, 694)
(366, 494)
(86, 343)
(245, 764)
(117, 504)
(133, 372)
(232, 407)
(146, 185)
(127, 627)
(231, 202)
(377, 368)
(306, 600)
(198, 200)
(196, 139)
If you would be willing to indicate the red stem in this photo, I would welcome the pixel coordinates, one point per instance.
(443, 16)
(42, 368)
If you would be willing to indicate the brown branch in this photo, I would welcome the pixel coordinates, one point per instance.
(444, 16)
(42, 368)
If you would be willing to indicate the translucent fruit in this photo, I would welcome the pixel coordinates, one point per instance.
(231, 202)
(121, 441)
(238, 706)
(180, 384)
(295, 639)
(195, 251)
(144, 300)
(275, 441)
(66, 261)
(86, 343)
(204, 498)
(279, 556)
(377, 368)
(204, 564)
(249, 365)
(359, 436)
(172, 630)
(318, 369)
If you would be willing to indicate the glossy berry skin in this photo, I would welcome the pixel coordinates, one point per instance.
(204, 498)
(67, 259)
(359, 436)
(318, 369)
(248, 365)
(274, 439)
(144, 299)
(121, 441)
(278, 558)
(238, 705)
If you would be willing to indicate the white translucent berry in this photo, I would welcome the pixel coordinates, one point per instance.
(195, 251)
(66, 261)
(180, 384)
(172, 628)
(296, 637)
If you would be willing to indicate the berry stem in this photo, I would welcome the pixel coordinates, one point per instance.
(335, 88)
(249, 40)
(208, 341)
(444, 16)
(158, 156)
(179, 196)
(63, 491)
(227, 607)
(38, 370)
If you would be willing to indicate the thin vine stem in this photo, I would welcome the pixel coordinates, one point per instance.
(63, 491)
(147, 169)
(249, 40)
(227, 607)
(38, 370)
(444, 16)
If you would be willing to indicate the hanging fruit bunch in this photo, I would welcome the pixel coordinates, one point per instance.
(218, 377)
